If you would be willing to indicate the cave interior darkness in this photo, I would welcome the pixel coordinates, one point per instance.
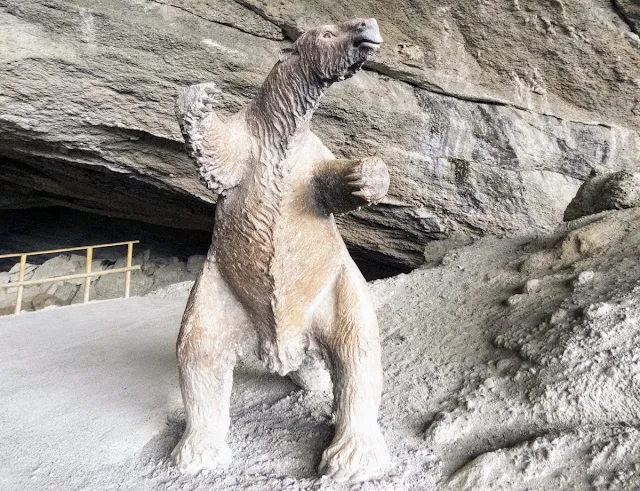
(56, 227)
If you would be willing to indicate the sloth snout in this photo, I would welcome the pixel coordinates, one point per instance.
(368, 31)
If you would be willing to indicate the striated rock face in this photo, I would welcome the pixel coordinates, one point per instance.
(489, 115)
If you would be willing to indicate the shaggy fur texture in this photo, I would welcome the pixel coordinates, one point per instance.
(278, 266)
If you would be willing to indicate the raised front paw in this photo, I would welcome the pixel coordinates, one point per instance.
(370, 178)
(356, 457)
(196, 452)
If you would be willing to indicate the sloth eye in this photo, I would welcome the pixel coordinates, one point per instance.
(328, 35)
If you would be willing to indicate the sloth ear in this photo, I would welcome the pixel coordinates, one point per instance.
(285, 53)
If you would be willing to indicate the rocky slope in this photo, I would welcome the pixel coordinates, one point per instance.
(489, 114)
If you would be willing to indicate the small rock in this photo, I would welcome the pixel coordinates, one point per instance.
(558, 316)
(531, 286)
(489, 383)
(503, 364)
(535, 263)
(634, 38)
(514, 299)
(597, 311)
(583, 278)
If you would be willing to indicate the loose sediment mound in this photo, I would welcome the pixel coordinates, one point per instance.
(589, 458)
(572, 371)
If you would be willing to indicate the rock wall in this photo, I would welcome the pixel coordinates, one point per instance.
(489, 114)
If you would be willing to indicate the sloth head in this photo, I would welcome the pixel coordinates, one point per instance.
(335, 52)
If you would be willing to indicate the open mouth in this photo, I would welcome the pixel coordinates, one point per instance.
(367, 43)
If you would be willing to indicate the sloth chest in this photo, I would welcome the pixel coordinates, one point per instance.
(269, 238)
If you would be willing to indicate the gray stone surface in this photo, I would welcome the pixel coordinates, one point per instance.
(489, 115)
(112, 286)
(61, 265)
(175, 271)
(195, 263)
(603, 192)
(14, 272)
(629, 11)
(57, 294)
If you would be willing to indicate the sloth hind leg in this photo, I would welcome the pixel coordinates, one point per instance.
(214, 321)
(358, 451)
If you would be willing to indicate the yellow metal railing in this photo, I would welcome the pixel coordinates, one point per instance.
(87, 275)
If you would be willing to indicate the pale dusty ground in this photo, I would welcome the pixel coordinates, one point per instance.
(486, 387)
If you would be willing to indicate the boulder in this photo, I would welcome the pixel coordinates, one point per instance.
(57, 295)
(7, 299)
(152, 262)
(29, 271)
(112, 285)
(66, 293)
(61, 265)
(614, 191)
(173, 272)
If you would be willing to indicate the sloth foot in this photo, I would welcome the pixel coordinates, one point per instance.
(356, 457)
(370, 179)
(196, 452)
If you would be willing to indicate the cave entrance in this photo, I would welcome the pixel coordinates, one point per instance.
(57, 227)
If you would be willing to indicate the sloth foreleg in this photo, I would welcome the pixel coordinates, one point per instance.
(343, 185)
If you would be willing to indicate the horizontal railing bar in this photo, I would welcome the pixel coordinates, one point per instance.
(69, 277)
(69, 249)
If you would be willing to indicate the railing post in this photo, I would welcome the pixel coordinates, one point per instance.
(23, 262)
(87, 280)
(127, 277)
